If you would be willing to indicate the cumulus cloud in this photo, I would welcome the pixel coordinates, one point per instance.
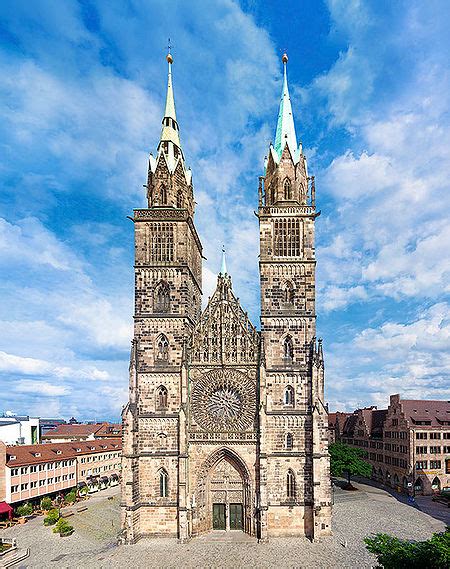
(42, 388)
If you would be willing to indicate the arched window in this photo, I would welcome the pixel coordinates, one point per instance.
(289, 441)
(272, 194)
(436, 484)
(161, 397)
(289, 395)
(163, 195)
(289, 293)
(288, 348)
(287, 189)
(163, 348)
(179, 199)
(162, 297)
(163, 484)
(290, 484)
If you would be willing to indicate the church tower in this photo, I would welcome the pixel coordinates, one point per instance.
(168, 266)
(295, 488)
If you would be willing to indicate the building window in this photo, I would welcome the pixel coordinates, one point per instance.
(289, 396)
(435, 435)
(180, 199)
(288, 349)
(287, 189)
(435, 450)
(287, 237)
(24, 470)
(421, 464)
(421, 435)
(24, 486)
(14, 489)
(421, 450)
(161, 397)
(162, 297)
(163, 348)
(435, 464)
(447, 466)
(15, 472)
(290, 484)
(163, 484)
(162, 242)
(289, 441)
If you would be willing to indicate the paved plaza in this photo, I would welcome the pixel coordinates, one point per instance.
(356, 515)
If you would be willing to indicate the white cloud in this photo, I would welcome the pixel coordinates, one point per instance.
(43, 388)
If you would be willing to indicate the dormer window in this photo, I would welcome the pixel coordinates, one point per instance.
(12, 457)
(58, 451)
(37, 454)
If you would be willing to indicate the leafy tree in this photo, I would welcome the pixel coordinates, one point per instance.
(25, 510)
(70, 497)
(393, 553)
(51, 518)
(345, 459)
(63, 527)
(46, 503)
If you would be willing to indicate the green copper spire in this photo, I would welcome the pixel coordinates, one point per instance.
(285, 125)
(169, 131)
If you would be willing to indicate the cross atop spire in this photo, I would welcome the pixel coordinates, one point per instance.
(170, 131)
(285, 126)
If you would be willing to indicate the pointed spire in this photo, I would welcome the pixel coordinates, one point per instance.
(169, 132)
(285, 125)
(223, 266)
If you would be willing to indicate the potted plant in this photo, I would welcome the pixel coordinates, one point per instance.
(23, 511)
(46, 505)
(63, 528)
(51, 518)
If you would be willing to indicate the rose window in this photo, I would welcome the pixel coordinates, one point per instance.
(224, 400)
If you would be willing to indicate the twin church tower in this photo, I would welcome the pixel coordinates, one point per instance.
(226, 426)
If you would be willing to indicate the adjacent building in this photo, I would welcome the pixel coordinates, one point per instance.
(226, 427)
(19, 430)
(82, 432)
(408, 444)
(29, 472)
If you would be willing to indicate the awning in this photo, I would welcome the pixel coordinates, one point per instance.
(104, 479)
(81, 484)
(6, 509)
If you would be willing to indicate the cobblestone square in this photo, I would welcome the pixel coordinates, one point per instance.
(356, 515)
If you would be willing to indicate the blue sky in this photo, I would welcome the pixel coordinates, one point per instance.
(81, 102)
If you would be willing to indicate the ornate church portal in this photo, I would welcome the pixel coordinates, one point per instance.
(226, 427)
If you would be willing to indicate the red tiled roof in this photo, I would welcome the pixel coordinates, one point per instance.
(50, 452)
(426, 410)
(74, 431)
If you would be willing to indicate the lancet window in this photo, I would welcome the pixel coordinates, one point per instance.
(163, 484)
(162, 242)
(287, 189)
(288, 349)
(290, 484)
(179, 199)
(289, 395)
(289, 293)
(289, 441)
(163, 348)
(161, 397)
(162, 297)
(287, 237)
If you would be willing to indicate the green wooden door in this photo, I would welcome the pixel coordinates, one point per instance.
(236, 521)
(218, 516)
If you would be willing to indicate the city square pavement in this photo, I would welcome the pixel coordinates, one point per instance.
(356, 515)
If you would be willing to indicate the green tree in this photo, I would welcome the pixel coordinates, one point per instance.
(46, 503)
(348, 460)
(392, 553)
(52, 517)
(25, 510)
(71, 496)
(62, 527)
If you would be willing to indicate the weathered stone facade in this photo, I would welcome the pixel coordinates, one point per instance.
(226, 426)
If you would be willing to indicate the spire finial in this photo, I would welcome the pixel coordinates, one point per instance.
(223, 266)
(169, 54)
(284, 58)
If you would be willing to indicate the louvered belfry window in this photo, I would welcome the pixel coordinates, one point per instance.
(162, 242)
(287, 238)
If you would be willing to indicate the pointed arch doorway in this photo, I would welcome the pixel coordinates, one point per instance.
(223, 495)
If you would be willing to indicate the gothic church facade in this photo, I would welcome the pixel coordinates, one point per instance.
(226, 426)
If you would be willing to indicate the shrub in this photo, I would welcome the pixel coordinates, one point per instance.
(70, 497)
(62, 527)
(25, 510)
(392, 552)
(84, 490)
(46, 503)
(51, 518)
